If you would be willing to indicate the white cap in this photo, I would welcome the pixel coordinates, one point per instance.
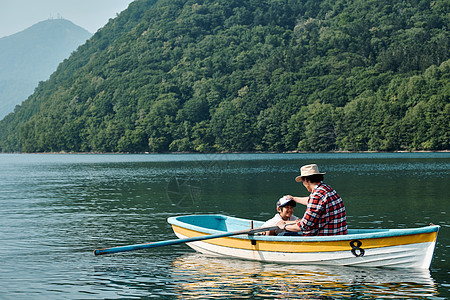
(285, 200)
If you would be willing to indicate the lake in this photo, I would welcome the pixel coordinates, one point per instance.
(57, 208)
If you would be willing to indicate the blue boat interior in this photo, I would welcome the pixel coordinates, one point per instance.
(213, 224)
(224, 223)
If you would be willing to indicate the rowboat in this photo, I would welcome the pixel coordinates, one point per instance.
(392, 248)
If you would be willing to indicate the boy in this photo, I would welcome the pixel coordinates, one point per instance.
(285, 209)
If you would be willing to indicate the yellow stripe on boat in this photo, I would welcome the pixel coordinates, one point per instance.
(310, 246)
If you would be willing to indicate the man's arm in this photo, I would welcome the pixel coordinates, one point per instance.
(313, 213)
(301, 200)
(289, 226)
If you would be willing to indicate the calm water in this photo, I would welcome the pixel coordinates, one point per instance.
(56, 209)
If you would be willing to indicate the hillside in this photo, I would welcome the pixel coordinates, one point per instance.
(32, 55)
(254, 75)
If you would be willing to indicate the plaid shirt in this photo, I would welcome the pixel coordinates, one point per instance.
(325, 213)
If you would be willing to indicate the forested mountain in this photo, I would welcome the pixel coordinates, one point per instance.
(249, 75)
(32, 55)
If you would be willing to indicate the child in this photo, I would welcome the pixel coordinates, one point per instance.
(285, 208)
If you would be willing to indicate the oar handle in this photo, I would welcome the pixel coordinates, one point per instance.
(179, 241)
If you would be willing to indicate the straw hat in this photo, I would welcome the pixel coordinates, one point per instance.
(308, 170)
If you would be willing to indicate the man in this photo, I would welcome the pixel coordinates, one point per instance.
(325, 211)
(285, 209)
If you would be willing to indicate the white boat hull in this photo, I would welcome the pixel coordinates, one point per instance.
(403, 256)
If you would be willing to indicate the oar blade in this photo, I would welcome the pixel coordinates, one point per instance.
(136, 247)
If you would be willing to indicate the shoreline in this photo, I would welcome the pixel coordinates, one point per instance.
(225, 152)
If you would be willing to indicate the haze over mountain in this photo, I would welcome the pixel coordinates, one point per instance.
(31, 55)
(248, 75)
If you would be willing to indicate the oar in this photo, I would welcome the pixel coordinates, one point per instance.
(179, 241)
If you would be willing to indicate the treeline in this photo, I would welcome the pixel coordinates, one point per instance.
(252, 75)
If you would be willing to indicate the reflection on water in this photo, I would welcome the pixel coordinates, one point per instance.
(201, 276)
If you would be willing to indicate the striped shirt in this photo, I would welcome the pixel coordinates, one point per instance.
(325, 213)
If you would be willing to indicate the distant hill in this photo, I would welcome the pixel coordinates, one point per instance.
(249, 75)
(30, 56)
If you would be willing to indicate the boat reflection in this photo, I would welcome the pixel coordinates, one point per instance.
(201, 276)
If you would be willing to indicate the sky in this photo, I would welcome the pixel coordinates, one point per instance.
(17, 15)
